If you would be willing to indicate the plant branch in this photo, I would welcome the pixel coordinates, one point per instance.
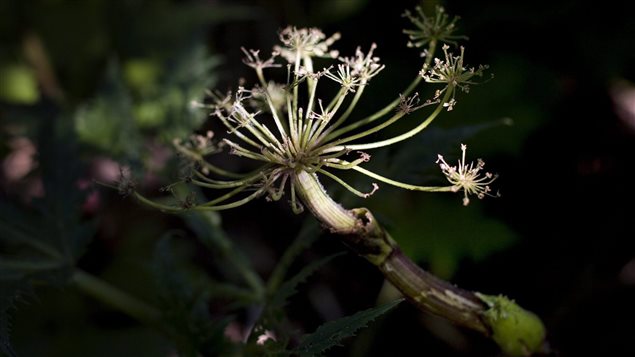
(116, 298)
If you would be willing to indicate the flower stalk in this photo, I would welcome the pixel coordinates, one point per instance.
(116, 298)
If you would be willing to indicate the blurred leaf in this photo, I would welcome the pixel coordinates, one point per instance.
(440, 231)
(142, 74)
(288, 288)
(188, 76)
(184, 301)
(42, 245)
(54, 228)
(309, 232)
(207, 227)
(332, 333)
(118, 123)
(232, 261)
(18, 84)
(66, 323)
(107, 122)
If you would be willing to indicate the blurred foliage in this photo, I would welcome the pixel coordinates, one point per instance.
(183, 298)
(18, 84)
(141, 101)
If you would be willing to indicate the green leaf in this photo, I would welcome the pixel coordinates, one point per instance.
(107, 123)
(288, 288)
(309, 232)
(439, 230)
(18, 84)
(184, 300)
(232, 262)
(168, 108)
(207, 227)
(42, 243)
(148, 97)
(332, 333)
(141, 74)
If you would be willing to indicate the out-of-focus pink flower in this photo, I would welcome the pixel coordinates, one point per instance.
(20, 161)
(234, 332)
(623, 95)
(106, 170)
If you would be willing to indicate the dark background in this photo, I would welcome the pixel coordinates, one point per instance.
(559, 240)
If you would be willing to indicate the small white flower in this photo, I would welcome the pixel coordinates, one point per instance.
(238, 113)
(324, 114)
(305, 42)
(266, 336)
(252, 59)
(450, 104)
(438, 27)
(451, 71)
(345, 77)
(365, 66)
(410, 104)
(468, 177)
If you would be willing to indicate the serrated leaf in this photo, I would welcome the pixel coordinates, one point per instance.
(288, 288)
(41, 244)
(332, 333)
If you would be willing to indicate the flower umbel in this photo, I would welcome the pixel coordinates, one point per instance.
(468, 177)
(363, 66)
(293, 130)
(436, 28)
(452, 72)
(252, 59)
(305, 42)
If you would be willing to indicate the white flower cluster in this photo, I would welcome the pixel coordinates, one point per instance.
(468, 177)
(451, 72)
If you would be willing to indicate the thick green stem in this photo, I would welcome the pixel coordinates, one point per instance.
(432, 294)
(517, 332)
(330, 213)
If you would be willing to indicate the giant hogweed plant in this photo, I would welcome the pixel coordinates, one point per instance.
(300, 136)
